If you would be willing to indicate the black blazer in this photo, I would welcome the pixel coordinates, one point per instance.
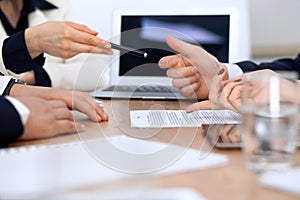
(11, 125)
(285, 64)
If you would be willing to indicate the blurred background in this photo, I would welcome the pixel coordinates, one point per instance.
(274, 29)
(272, 24)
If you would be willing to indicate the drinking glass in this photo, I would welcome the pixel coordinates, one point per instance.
(269, 120)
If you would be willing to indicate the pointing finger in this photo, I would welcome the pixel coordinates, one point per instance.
(203, 105)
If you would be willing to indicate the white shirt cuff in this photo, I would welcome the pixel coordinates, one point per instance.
(4, 80)
(233, 70)
(21, 109)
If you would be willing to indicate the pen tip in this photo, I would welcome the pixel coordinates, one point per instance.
(145, 55)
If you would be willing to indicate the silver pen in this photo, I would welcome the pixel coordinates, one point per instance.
(129, 50)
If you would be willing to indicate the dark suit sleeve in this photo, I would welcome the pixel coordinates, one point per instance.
(17, 59)
(286, 64)
(11, 125)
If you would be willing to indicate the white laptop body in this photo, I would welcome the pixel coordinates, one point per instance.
(214, 30)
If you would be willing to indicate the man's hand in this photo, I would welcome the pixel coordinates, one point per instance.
(47, 118)
(228, 133)
(185, 77)
(222, 95)
(192, 69)
(231, 94)
(75, 100)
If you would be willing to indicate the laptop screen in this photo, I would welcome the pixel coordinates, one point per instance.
(148, 33)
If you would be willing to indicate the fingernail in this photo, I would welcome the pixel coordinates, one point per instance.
(194, 70)
(162, 62)
(168, 72)
(237, 80)
(106, 119)
(221, 71)
(80, 127)
(171, 62)
(188, 111)
(107, 45)
(99, 118)
(100, 104)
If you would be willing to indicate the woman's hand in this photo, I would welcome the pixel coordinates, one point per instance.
(64, 39)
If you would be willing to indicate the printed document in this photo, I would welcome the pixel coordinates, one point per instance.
(180, 118)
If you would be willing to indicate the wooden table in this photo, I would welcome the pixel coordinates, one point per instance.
(233, 181)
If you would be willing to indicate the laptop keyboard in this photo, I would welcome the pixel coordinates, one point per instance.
(148, 88)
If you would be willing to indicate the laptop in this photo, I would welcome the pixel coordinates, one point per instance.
(137, 77)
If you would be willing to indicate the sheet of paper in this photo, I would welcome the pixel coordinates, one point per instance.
(288, 181)
(36, 170)
(133, 193)
(42, 169)
(164, 158)
(179, 118)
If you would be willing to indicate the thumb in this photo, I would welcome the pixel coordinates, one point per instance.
(185, 49)
(205, 62)
(203, 105)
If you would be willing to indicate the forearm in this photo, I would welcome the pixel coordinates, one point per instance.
(29, 78)
(38, 77)
(31, 39)
(16, 56)
(17, 59)
(39, 92)
(297, 91)
(18, 90)
(290, 91)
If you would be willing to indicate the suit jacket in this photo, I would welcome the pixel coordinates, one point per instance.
(11, 124)
(34, 18)
(83, 72)
(285, 64)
